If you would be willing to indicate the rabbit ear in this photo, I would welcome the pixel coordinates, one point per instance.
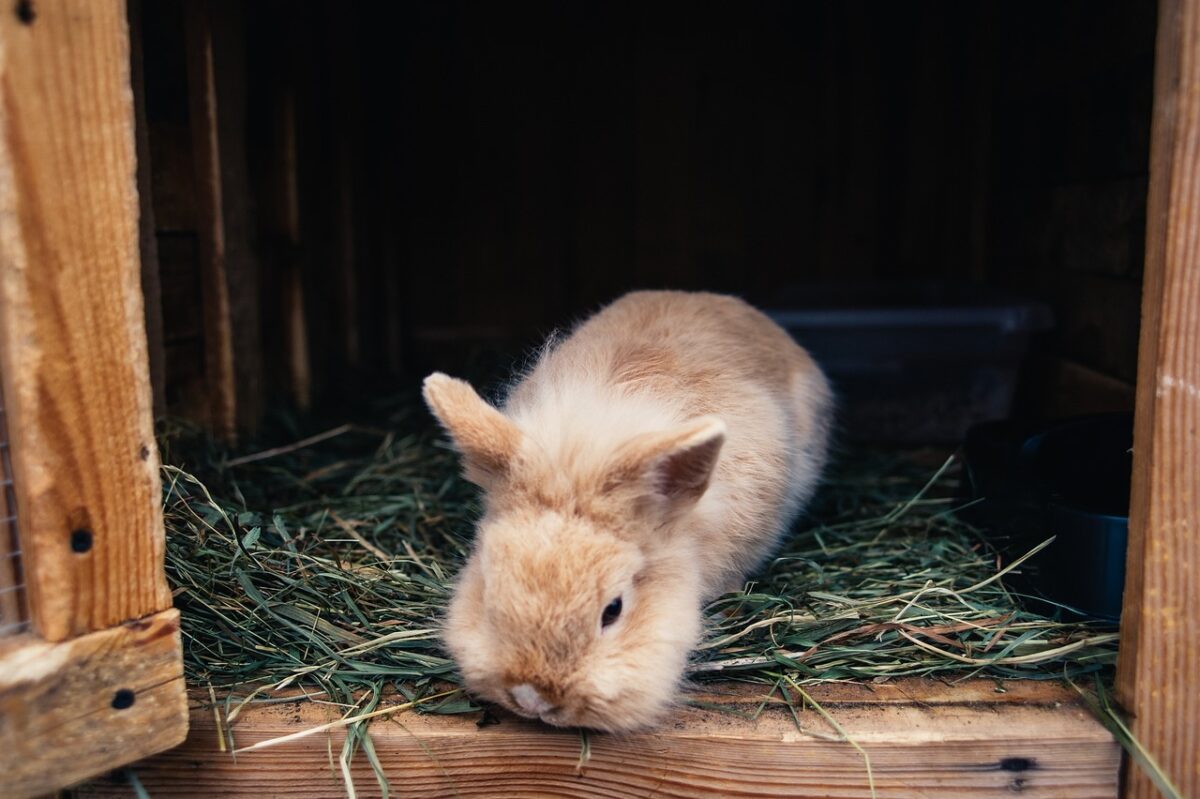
(487, 439)
(671, 469)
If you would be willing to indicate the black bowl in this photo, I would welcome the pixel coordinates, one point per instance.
(1071, 481)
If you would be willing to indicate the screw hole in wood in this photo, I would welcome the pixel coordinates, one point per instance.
(123, 699)
(81, 541)
(25, 12)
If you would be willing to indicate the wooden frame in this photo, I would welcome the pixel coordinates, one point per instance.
(895, 723)
(98, 681)
(101, 671)
(1158, 674)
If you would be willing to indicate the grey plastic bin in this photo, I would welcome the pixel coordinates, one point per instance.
(913, 363)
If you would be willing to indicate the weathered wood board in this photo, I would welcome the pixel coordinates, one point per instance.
(924, 739)
(72, 332)
(1158, 674)
(69, 711)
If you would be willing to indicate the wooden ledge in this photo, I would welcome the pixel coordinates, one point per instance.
(69, 711)
(925, 739)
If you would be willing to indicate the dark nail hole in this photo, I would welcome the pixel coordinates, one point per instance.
(123, 699)
(144, 453)
(1018, 764)
(81, 540)
(25, 12)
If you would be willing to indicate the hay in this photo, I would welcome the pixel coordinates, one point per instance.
(324, 568)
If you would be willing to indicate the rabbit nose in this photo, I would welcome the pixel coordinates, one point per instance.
(529, 699)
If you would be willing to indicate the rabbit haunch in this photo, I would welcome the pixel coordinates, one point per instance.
(646, 464)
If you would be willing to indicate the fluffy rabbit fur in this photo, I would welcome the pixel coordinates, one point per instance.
(655, 457)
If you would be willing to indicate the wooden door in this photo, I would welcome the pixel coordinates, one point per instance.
(90, 663)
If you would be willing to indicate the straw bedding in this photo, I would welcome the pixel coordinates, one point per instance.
(324, 568)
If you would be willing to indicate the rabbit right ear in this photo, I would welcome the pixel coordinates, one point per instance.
(487, 439)
(669, 470)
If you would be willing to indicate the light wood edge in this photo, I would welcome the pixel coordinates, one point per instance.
(206, 148)
(242, 264)
(288, 190)
(58, 725)
(72, 329)
(925, 739)
(1158, 670)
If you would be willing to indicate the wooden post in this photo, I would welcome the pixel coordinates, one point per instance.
(1158, 672)
(228, 17)
(99, 679)
(346, 123)
(72, 332)
(288, 220)
(206, 148)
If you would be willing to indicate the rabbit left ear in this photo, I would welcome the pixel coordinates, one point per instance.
(670, 469)
(487, 438)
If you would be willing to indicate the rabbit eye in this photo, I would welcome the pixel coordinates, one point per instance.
(611, 611)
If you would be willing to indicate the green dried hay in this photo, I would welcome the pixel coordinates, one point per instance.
(324, 569)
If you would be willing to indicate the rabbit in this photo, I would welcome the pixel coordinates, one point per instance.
(643, 466)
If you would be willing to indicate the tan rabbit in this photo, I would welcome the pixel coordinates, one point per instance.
(645, 465)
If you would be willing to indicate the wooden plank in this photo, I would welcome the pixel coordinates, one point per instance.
(347, 136)
(606, 128)
(206, 148)
(72, 710)
(665, 110)
(1158, 672)
(72, 331)
(983, 89)
(231, 79)
(148, 240)
(287, 224)
(924, 740)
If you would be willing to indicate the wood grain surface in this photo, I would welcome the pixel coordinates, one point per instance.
(72, 710)
(924, 739)
(206, 147)
(1158, 672)
(72, 331)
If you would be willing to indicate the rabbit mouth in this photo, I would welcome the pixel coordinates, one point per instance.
(554, 718)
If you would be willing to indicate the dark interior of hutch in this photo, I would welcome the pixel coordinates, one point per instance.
(439, 185)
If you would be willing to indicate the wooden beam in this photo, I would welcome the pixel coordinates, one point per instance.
(73, 710)
(348, 140)
(72, 328)
(228, 17)
(288, 219)
(206, 149)
(1158, 671)
(924, 740)
(147, 233)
